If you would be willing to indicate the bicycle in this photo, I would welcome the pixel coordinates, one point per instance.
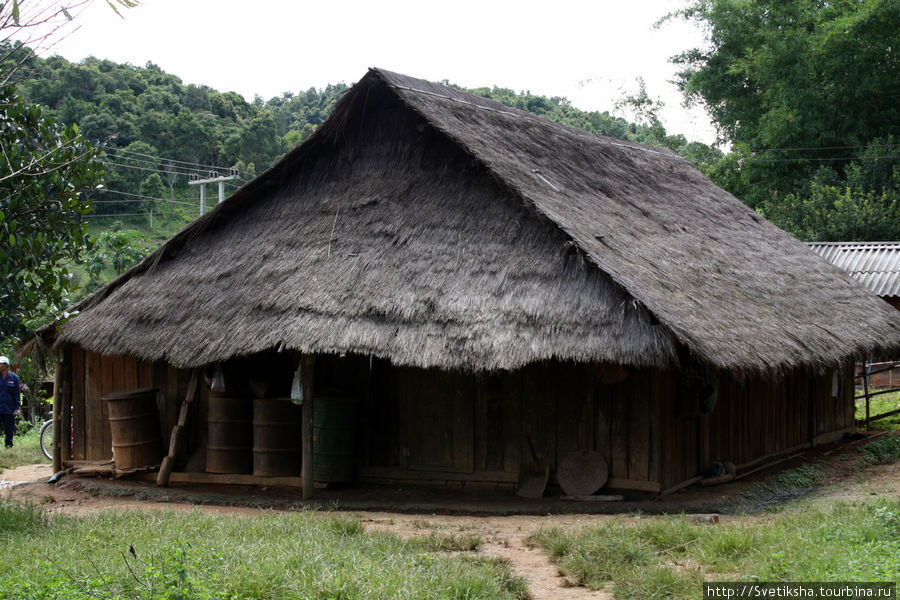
(47, 437)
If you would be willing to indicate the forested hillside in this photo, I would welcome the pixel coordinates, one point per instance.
(156, 132)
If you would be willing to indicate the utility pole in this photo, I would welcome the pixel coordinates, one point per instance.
(214, 177)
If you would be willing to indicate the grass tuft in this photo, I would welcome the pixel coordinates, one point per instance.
(882, 451)
(20, 519)
(345, 525)
(26, 450)
(659, 583)
(447, 542)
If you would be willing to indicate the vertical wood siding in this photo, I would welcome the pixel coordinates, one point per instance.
(94, 376)
(434, 425)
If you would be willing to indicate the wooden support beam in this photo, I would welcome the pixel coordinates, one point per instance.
(682, 485)
(389, 474)
(633, 484)
(831, 436)
(307, 365)
(65, 415)
(176, 439)
(57, 410)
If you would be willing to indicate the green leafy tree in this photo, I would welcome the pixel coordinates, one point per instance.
(248, 169)
(46, 174)
(153, 187)
(259, 140)
(794, 85)
(119, 249)
(154, 192)
(126, 170)
(862, 204)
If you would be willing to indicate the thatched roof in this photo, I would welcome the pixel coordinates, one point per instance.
(437, 228)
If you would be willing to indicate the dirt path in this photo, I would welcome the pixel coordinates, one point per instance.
(505, 538)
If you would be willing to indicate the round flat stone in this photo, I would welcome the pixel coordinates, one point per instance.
(581, 473)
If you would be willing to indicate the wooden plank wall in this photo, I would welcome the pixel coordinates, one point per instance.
(627, 425)
(94, 376)
(758, 417)
(680, 436)
(555, 408)
(560, 407)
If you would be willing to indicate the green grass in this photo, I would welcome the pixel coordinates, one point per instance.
(26, 450)
(878, 405)
(882, 451)
(669, 557)
(202, 557)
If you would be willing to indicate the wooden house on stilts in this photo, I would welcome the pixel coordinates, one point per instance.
(457, 283)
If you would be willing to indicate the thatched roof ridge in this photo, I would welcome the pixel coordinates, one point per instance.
(437, 228)
(731, 286)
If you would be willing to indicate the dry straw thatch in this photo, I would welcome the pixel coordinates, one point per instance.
(437, 228)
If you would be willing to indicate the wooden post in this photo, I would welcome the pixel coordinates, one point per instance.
(866, 388)
(307, 364)
(65, 415)
(57, 409)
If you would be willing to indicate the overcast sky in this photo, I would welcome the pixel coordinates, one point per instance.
(589, 52)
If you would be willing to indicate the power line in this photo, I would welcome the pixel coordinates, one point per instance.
(825, 159)
(789, 149)
(142, 197)
(142, 169)
(146, 199)
(160, 160)
(151, 163)
(115, 215)
(158, 170)
(169, 160)
(146, 168)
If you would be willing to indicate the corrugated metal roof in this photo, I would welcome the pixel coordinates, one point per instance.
(876, 265)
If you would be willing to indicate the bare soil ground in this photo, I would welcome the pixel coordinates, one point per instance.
(503, 522)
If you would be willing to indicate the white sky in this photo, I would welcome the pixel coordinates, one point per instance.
(588, 51)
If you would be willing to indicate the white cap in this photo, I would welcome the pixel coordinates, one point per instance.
(4, 360)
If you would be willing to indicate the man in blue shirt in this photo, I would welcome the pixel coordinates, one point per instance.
(9, 400)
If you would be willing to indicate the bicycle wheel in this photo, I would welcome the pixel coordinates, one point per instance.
(47, 439)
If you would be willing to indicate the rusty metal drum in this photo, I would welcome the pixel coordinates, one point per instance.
(276, 437)
(229, 445)
(134, 428)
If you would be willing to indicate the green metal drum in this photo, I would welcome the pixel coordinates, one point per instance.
(334, 426)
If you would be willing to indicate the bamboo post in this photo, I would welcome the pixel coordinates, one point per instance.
(307, 364)
(57, 409)
(176, 439)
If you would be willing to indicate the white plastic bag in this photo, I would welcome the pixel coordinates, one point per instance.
(297, 388)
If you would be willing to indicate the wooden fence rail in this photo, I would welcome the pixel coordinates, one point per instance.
(864, 375)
